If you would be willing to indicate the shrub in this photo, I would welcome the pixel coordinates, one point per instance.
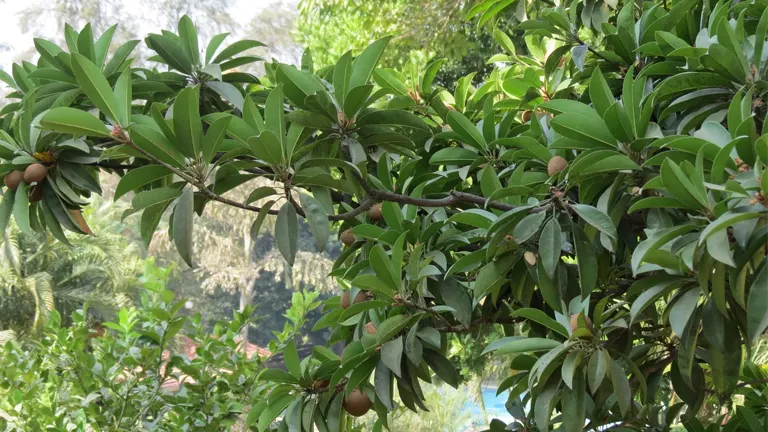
(601, 199)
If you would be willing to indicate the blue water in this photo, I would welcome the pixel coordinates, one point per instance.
(494, 406)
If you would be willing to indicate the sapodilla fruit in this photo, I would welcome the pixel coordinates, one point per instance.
(556, 164)
(575, 322)
(370, 329)
(527, 115)
(347, 237)
(345, 303)
(357, 404)
(375, 213)
(35, 173)
(12, 179)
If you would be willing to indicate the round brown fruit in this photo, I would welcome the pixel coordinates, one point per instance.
(556, 164)
(527, 115)
(357, 404)
(375, 213)
(347, 237)
(36, 193)
(370, 329)
(35, 173)
(13, 178)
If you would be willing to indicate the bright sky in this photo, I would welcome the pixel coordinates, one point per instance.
(11, 35)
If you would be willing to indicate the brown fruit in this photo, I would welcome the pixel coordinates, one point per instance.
(36, 193)
(357, 403)
(575, 322)
(374, 213)
(13, 178)
(527, 115)
(347, 237)
(97, 331)
(556, 164)
(370, 328)
(345, 303)
(35, 173)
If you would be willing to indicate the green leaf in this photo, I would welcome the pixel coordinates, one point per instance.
(681, 186)
(386, 79)
(724, 221)
(274, 113)
(688, 81)
(442, 366)
(596, 369)
(267, 147)
(656, 240)
(586, 129)
(521, 345)
(600, 93)
(392, 355)
(596, 218)
(540, 317)
(649, 296)
(366, 62)
(287, 232)
(124, 97)
(757, 304)
(297, 84)
(183, 219)
(317, 219)
(256, 226)
(156, 144)
(542, 409)
(621, 387)
(139, 177)
(469, 133)
(392, 118)
(214, 137)
(186, 122)
(550, 243)
(528, 227)
(170, 52)
(21, 209)
(188, 36)
(291, 358)
(586, 261)
(574, 405)
(276, 406)
(95, 86)
(73, 121)
(570, 365)
(237, 48)
(214, 45)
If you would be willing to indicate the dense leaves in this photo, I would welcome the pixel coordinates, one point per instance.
(605, 192)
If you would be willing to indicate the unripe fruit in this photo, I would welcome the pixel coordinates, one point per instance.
(370, 329)
(345, 303)
(556, 164)
(357, 403)
(12, 179)
(374, 213)
(36, 193)
(527, 115)
(35, 173)
(347, 237)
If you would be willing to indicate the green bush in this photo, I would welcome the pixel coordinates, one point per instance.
(601, 200)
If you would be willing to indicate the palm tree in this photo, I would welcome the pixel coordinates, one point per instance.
(38, 275)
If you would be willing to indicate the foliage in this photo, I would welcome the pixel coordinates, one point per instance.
(601, 200)
(123, 377)
(39, 274)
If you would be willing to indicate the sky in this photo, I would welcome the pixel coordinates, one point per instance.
(11, 35)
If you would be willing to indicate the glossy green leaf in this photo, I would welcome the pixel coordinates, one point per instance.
(287, 232)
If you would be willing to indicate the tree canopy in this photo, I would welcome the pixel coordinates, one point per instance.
(599, 198)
